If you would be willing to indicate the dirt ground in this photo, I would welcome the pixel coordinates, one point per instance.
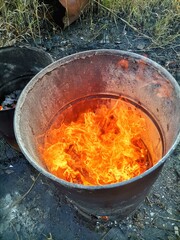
(31, 207)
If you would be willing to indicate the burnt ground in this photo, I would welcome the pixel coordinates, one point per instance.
(31, 207)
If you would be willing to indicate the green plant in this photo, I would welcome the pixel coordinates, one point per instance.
(20, 19)
(156, 19)
(159, 19)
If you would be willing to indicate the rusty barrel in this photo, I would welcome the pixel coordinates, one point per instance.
(99, 72)
(18, 65)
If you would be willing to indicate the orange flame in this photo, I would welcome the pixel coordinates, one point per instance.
(1, 108)
(101, 147)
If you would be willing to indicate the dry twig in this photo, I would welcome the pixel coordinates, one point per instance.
(18, 238)
(20, 199)
(126, 22)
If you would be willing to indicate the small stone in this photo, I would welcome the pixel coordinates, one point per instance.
(152, 214)
(124, 32)
(115, 223)
(141, 45)
(118, 41)
(9, 171)
(110, 224)
(64, 42)
(169, 210)
(176, 231)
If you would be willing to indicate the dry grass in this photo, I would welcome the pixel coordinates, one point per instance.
(20, 19)
(159, 19)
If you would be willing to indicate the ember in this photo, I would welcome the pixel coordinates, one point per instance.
(104, 145)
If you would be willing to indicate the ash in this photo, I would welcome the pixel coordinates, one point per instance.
(11, 99)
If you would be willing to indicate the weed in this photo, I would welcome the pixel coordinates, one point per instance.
(159, 19)
(20, 19)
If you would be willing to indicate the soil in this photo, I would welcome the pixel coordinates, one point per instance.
(32, 207)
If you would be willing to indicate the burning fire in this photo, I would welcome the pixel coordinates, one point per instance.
(103, 146)
(1, 108)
